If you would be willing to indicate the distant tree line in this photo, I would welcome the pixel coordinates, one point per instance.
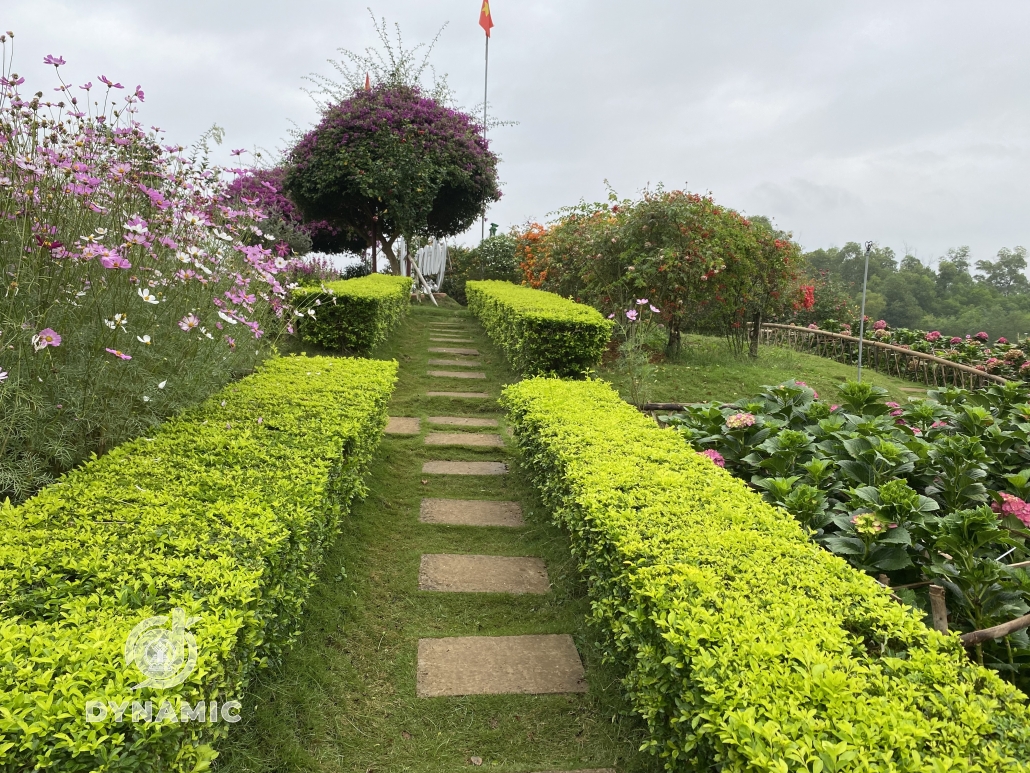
(957, 298)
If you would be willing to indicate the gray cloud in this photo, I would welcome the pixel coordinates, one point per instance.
(906, 123)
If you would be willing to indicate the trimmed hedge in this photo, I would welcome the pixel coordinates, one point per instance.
(352, 315)
(540, 333)
(746, 647)
(225, 513)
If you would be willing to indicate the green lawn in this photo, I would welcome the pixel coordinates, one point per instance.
(706, 370)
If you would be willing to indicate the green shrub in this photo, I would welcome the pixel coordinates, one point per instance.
(493, 258)
(540, 332)
(223, 513)
(352, 315)
(745, 646)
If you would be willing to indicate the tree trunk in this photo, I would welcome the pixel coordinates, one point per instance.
(756, 332)
(395, 264)
(672, 348)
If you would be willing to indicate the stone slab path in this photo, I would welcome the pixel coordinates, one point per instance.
(471, 512)
(402, 425)
(456, 363)
(470, 439)
(465, 468)
(452, 350)
(470, 395)
(495, 665)
(461, 421)
(482, 574)
(455, 374)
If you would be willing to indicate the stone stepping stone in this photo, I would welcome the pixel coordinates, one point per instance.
(499, 665)
(451, 573)
(448, 350)
(457, 394)
(401, 425)
(915, 390)
(448, 340)
(455, 374)
(592, 770)
(465, 468)
(470, 512)
(456, 363)
(478, 439)
(462, 421)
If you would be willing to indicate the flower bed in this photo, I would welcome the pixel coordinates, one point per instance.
(223, 513)
(747, 647)
(540, 332)
(135, 284)
(352, 315)
(1000, 358)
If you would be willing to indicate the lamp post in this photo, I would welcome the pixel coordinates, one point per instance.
(861, 320)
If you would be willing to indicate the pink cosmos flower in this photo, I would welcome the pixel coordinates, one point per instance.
(139, 94)
(632, 315)
(56, 61)
(3, 375)
(114, 260)
(740, 420)
(44, 338)
(104, 79)
(833, 408)
(715, 456)
(653, 309)
(120, 355)
(189, 322)
(612, 315)
(641, 301)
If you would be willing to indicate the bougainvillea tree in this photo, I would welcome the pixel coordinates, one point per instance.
(390, 162)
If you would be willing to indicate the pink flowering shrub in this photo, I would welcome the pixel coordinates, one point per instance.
(134, 284)
(1011, 505)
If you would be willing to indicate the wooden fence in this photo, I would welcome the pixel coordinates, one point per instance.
(885, 358)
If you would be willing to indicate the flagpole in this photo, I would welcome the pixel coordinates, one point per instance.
(486, 74)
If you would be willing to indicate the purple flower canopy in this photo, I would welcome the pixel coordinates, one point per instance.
(396, 162)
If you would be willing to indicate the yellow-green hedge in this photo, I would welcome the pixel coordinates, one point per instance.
(352, 315)
(224, 512)
(746, 647)
(540, 333)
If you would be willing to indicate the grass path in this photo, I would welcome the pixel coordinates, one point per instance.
(344, 699)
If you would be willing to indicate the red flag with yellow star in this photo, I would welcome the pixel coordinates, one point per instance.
(485, 19)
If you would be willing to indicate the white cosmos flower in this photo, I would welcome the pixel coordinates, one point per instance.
(183, 257)
(146, 399)
(227, 318)
(147, 296)
(162, 385)
(143, 340)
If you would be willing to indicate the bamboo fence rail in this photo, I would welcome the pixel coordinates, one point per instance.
(885, 358)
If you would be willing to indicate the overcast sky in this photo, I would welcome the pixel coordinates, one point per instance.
(905, 123)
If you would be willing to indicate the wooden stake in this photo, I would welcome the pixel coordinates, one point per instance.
(939, 608)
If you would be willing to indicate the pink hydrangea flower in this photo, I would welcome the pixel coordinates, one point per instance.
(813, 326)
(715, 456)
(955, 340)
(1003, 340)
(1012, 505)
(933, 336)
(981, 336)
(880, 324)
(740, 420)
